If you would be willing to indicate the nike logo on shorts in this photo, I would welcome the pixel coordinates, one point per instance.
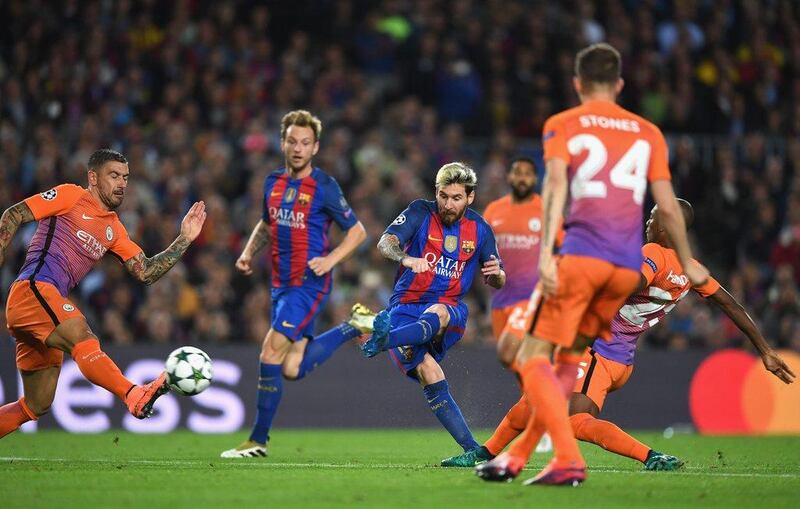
(287, 324)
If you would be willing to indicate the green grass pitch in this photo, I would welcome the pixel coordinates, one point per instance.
(372, 468)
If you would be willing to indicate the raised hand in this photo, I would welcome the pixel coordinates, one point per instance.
(775, 365)
(193, 221)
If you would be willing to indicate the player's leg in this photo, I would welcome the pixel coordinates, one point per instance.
(427, 326)
(39, 387)
(320, 348)
(442, 403)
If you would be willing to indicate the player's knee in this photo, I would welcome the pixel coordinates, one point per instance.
(291, 373)
(429, 372)
(441, 312)
(577, 421)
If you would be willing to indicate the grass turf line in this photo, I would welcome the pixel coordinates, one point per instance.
(373, 468)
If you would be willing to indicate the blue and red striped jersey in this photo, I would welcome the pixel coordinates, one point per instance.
(453, 252)
(299, 213)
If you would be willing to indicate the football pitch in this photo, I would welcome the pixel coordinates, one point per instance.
(374, 468)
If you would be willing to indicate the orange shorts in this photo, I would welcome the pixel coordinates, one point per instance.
(33, 311)
(501, 317)
(590, 292)
(598, 376)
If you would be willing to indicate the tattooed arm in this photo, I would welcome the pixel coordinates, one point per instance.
(12, 219)
(149, 270)
(389, 246)
(554, 197)
(257, 240)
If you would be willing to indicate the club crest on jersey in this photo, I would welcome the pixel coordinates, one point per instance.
(450, 243)
(109, 233)
(534, 224)
(304, 199)
(49, 195)
(290, 195)
(468, 246)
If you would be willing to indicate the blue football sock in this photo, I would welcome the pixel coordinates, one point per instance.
(322, 347)
(417, 333)
(270, 390)
(446, 410)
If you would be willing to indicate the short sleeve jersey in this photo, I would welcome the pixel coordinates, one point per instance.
(666, 286)
(611, 155)
(299, 213)
(73, 234)
(453, 253)
(518, 230)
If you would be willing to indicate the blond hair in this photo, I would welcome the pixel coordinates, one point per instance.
(301, 118)
(457, 173)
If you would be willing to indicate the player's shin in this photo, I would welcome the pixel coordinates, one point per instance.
(322, 347)
(510, 427)
(607, 435)
(417, 333)
(547, 398)
(99, 369)
(270, 390)
(13, 415)
(446, 410)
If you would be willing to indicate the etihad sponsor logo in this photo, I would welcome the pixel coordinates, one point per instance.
(91, 245)
(444, 266)
(514, 241)
(287, 217)
(677, 279)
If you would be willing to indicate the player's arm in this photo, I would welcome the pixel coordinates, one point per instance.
(149, 270)
(554, 196)
(772, 361)
(389, 246)
(354, 237)
(491, 268)
(13, 217)
(258, 239)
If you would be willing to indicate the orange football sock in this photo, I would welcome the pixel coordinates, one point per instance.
(546, 396)
(99, 369)
(13, 415)
(510, 427)
(607, 435)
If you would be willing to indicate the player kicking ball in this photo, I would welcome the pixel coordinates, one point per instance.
(439, 246)
(76, 228)
(609, 365)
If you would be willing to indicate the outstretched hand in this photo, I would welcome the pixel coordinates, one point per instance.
(193, 221)
(775, 365)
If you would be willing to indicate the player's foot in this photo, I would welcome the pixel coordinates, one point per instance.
(248, 449)
(140, 399)
(660, 461)
(380, 335)
(362, 318)
(553, 475)
(470, 458)
(504, 468)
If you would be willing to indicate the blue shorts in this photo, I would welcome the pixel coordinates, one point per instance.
(407, 358)
(295, 310)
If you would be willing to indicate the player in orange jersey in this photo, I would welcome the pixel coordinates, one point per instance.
(603, 156)
(516, 219)
(76, 228)
(609, 365)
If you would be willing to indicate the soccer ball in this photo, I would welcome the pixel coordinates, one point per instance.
(189, 371)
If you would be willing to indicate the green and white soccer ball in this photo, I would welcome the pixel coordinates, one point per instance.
(189, 371)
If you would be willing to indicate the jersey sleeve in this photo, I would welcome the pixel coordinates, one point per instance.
(653, 261)
(54, 202)
(659, 159)
(709, 288)
(554, 140)
(124, 248)
(336, 207)
(265, 201)
(488, 247)
(408, 222)
(489, 213)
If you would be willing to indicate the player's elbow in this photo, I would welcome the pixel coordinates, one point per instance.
(359, 232)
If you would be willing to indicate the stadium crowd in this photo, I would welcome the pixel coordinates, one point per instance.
(192, 92)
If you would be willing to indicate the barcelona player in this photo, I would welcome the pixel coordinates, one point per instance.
(608, 365)
(602, 156)
(516, 220)
(77, 226)
(439, 245)
(300, 203)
